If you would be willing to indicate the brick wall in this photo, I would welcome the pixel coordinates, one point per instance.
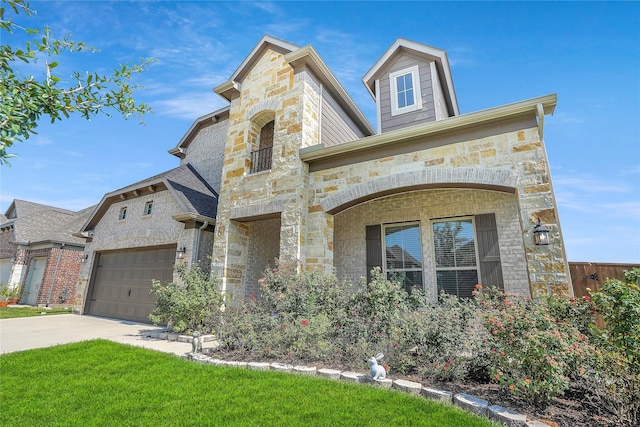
(264, 248)
(60, 276)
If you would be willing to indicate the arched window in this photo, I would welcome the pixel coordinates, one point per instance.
(261, 158)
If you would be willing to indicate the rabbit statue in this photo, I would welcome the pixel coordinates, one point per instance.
(377, 372)
(196, 343)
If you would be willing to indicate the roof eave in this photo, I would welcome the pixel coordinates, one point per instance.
(192, 216)
(213, 117)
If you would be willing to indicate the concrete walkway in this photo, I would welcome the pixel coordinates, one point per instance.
(44, 331)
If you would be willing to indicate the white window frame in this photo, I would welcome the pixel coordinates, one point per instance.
(122, 214)
(383, 236)
(475, 248)
(417, 93)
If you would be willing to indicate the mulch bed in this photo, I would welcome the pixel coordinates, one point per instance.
(570, 410)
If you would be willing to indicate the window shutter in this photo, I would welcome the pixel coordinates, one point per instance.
(489, 251)
(374, 248)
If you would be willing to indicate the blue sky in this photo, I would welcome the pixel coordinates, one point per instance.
(586, 52)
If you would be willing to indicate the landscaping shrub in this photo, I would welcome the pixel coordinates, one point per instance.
(613, 379)
(533, 353)
(192, 303)
(444, 342)
(535, 349)
(314, 316)
(618, 303)
(294, 316)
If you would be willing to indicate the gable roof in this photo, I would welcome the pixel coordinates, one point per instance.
(431, 53)
(38, 223)
(231, 88)
(297, 58)
(192, 193)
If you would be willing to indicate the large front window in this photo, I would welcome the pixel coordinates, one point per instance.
(403, 254)
(455, 254)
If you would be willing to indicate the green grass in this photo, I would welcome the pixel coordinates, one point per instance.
(100, 383)
(10, 312)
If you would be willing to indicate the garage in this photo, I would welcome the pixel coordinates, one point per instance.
(122, 282)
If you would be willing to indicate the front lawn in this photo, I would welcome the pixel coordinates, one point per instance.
(104, 383)
(10, 312)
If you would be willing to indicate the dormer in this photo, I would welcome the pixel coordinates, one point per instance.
(411, 84)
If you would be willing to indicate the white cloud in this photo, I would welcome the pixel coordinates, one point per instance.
(630, 170)
(566, 118)
(460, 57)
(589, 184)
(189, 106)
(41, 140)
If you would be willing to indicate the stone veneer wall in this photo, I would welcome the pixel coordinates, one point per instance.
(422, 206)
(520, 150)
(294, 99)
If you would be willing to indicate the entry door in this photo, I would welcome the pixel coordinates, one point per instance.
(34, 280)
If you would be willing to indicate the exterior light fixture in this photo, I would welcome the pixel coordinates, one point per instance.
(540, 235)
(84, 259)
(181, 251)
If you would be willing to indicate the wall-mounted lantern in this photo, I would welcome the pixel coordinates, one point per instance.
(540, 235)
(181, 251)
(84, 259)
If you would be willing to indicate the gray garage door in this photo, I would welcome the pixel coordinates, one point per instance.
(122, 282)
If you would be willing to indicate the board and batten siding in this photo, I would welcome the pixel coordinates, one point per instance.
(337, 127)
(426, 114)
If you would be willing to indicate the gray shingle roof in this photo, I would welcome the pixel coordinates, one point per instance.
(190, 190)
(34, 222)
(193, 192)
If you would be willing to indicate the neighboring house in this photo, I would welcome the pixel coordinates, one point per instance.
(446, 199)
(39, 253)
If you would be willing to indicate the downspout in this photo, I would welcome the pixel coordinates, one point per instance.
(55, 272)
(540, 111)
(196, 249)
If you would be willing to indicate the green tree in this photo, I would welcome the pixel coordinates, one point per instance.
(25, 99)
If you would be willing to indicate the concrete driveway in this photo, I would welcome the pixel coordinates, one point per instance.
(36, 332)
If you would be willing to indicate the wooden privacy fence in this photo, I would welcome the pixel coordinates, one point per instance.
(592, 275)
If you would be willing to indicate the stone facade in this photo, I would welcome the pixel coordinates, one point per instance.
(520, 151)
(272, 90)
(496, 166)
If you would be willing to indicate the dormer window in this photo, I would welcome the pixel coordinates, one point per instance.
(405, 90)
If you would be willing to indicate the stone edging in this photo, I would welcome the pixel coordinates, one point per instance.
(174, 336)
(467, 402)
